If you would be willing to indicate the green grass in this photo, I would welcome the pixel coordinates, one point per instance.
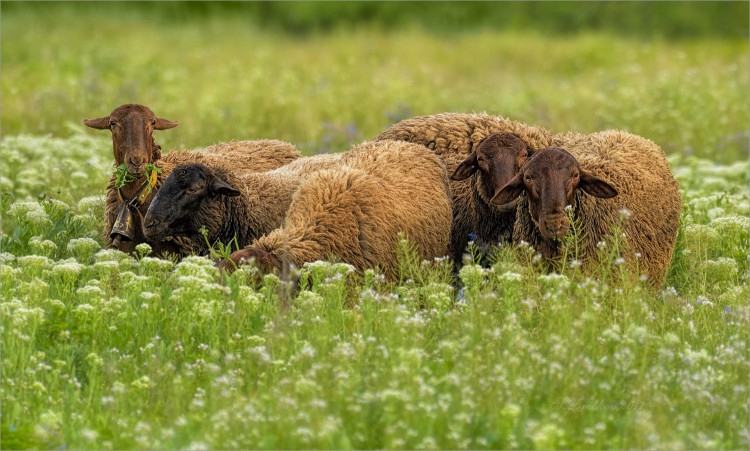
(225, 78)
(105, 350)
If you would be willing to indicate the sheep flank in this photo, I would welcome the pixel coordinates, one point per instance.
(349, 206)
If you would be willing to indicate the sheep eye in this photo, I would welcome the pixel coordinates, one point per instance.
(112, 123)
(153, 122)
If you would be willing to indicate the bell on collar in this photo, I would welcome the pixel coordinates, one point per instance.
(124, 226)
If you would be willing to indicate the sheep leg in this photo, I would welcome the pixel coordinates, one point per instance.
(266, 261)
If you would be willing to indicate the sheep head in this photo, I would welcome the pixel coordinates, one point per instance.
(550, 179)
(189, 193)
(132, 128)
(497, 158)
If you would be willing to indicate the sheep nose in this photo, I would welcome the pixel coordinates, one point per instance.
(137, 162)
(557, 225)
(150, 223)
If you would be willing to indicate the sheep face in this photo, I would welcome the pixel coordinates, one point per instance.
(550, 179)
(132, 128)
(497, 158)
(176, 209)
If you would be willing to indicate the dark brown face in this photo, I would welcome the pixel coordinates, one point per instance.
(498, 157)
(189, 189)
(550, 179)
(132, 128)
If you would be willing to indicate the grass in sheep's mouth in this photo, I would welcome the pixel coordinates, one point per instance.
(122, 176)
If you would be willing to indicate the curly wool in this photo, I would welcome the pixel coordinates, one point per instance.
(648, 199)
(350, 206)
(453, 136)
(357, 211)
(251, 156)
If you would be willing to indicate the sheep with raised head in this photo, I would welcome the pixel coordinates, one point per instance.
(606, 178)
(351, 206)
(489, 150)
(133, 144)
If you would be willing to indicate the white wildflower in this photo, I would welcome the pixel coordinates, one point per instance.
(6, 257)
(143, 382)
(42, 247)
(33, 263)
(89, 435)
(153, 266)
(83, 248)
(93, 205)
(67, 270)
(143, 249)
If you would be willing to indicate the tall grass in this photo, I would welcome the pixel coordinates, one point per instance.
(672, 20)
(106, 350)
(224, 79)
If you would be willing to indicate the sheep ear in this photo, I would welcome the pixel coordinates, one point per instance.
(510, 191)
(525, 149)
(163, 124)
(596, 187)
(221, 188)
(100, 124)
(466, 168)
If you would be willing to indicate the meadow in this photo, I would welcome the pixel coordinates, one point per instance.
(102, 350)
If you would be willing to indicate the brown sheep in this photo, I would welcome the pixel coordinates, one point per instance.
(133, 143)
(604, 177)
(352, 207)
(457, 139)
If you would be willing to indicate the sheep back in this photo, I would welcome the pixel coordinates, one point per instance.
(459, 133)
(453, 136)
(239, 156)
(355, 211)
(254, 156)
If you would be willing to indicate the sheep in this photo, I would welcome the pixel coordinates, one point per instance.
(351, 206)
(457, 139)
(133, 143)
(605, 177)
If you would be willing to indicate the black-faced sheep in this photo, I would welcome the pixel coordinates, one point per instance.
(350, 206)
(604, 177)
(133, 143)
(457, 139)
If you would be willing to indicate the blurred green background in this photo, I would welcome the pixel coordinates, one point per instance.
(664, 19)
(326, 75)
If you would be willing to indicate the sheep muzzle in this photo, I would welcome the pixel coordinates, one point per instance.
(136, 169)
(155, 229)
(554, 226)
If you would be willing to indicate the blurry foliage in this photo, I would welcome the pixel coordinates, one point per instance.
(226, 80)
(662, 19)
